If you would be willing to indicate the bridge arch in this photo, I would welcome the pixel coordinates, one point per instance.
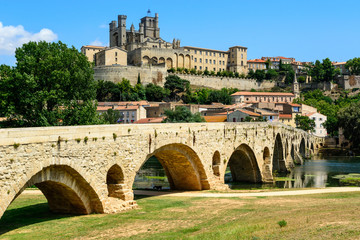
(216, 162)
(115, 182)
(243, 165)
(302, 147)
(278, 155)
(65, 189)
(182, 166)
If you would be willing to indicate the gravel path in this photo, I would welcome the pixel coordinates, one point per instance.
(235, 194)
(249, 194)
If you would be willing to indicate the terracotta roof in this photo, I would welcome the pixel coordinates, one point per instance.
(285, 116)
(215, 118)
(309, 114)
(249, 113)
(103, 108)
(295, 104)
(150, 120)
(256, 61)
(224, 113)
(122, 108)
(142, 102)
(262, 94)
(339, 63)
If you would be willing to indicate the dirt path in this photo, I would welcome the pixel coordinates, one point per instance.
(234, 194)
(249, 194)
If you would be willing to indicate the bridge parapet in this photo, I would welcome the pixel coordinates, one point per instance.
(95, 166)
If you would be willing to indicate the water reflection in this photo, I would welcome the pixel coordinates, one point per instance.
(315, 173)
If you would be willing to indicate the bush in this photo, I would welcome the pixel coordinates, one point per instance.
(282, 223)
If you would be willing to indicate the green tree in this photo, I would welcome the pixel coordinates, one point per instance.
(259, 75)
(51, 84)
(304, 123)
(301, 79)
(182, 114)
(5, 81)
(349, 121)
(107, 91)
(111, 116)
(317, 71)
(176, 85)
(156, 93)
(353, 65)
(329, 70)
(268, 64)
(271, 74)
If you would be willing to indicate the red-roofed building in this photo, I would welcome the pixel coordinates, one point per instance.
(240, 115)
(255, 97)
(149, 120)
(256, 64)
(275, 61)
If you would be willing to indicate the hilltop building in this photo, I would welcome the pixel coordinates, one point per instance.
(145, 47)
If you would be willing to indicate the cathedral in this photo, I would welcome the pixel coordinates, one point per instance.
(144, 47)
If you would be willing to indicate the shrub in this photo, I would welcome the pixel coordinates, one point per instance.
(282, 223)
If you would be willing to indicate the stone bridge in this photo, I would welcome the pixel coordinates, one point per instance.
(91, 169)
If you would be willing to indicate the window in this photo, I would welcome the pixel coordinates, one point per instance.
(195, 60)
(314, 118)
(192, 57)
(219, 62)
(206, 61)
(214, 62)
(320, 119)
(200, 60)
(200, 52)
(195, 51)
(206, 53)
(210, 61)
(206, 68)
(195, 67)
(115, 59)
(214, 69)
(232, 55)
(210, 53)
(223, 62)
(242, 56)
(115, 54)
(200, 67)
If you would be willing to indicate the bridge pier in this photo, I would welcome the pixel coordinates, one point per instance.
(91, 169)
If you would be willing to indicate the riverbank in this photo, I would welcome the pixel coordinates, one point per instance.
(315, 216)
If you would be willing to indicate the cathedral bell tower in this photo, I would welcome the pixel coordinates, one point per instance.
(296, 87)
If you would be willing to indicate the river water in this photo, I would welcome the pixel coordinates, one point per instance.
(314, 173)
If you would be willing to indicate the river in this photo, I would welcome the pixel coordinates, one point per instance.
(314, 173)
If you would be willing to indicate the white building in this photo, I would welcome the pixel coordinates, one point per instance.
(319, 119)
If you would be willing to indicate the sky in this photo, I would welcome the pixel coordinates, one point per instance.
(305, 30)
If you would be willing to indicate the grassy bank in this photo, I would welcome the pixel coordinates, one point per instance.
(321, 216)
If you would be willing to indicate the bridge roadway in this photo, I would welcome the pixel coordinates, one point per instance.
(91, 169)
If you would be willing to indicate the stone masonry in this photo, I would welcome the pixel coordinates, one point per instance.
(91, 169)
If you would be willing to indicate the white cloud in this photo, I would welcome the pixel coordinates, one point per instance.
(103, 26)
(12, 37)
(96, 43)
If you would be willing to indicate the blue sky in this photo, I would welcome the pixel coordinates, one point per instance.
(306, 30)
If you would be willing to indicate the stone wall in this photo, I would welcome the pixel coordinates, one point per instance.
(95, 166)
(157, 75)
(348, 82)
